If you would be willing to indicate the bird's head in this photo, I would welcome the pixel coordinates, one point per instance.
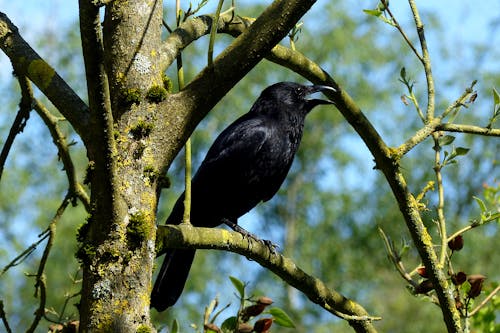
(294, 96)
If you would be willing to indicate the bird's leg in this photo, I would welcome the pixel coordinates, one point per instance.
(233, 225)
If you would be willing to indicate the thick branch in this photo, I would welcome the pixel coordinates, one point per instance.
(29, 63)
(386, 160)
(186, 236)
(195, 28)
(97, 82)
(470, 129)
(201, 95)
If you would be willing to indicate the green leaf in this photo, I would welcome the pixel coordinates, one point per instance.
(402, 73)
(404, 249)
(229, 325)
(446, 140)
(460, 151)
(481, 204)
(450, 159)
(465, 287)
(175, 326)
(378, 13)
(239, 285)
(281, 318)
(496, 97)
(373, 12)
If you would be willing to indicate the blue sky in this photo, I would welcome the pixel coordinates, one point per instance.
(469, 22)
(468, 19)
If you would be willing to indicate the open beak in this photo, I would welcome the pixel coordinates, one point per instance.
(320, 88)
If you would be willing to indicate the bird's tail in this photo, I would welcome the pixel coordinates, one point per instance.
(172, 278)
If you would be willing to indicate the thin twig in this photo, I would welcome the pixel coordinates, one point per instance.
(40, 284)
(472, 226)
(426, 61)
(400, 29)
(20, 120)
(351, 317)
(3, 315)
(40, 311)
(68, 297)
(75, 188)
(441, 222)
(483, 303)
(435, 124)
(470, 129)
(213, 32)
(396, 258)
(165, 24)
(25, 254)
(187, 147)
(27, 102)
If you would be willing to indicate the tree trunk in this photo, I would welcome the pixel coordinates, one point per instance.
(119, 237)
(136, 129)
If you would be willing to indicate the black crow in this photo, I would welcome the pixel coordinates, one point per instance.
(246, 164)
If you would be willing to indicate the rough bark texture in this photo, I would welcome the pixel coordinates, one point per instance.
(186, 236)
(118, 253)
(136, 129)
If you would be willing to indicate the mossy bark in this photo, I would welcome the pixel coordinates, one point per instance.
(121, 230)
(136, 129)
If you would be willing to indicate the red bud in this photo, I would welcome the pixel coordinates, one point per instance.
(424, 287)
(256, 309)
(473, 278)
(251, 311)
(458, 278)
(265, 300)
(262, 325)
(212, 327)
(476, 285)
(422, 271)
(457, 243)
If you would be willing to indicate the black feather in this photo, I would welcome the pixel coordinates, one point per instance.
(246, 164)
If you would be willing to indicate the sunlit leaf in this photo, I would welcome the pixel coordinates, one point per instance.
(372, 12)
(229, 325)
(239, 285)
(481, 204)
(496, 97)
(402, 73)
(175, 326)
(446, 140)
(460, 151)
(281, 318)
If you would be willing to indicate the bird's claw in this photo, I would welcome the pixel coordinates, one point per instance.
(270, 245)
(244, 233)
